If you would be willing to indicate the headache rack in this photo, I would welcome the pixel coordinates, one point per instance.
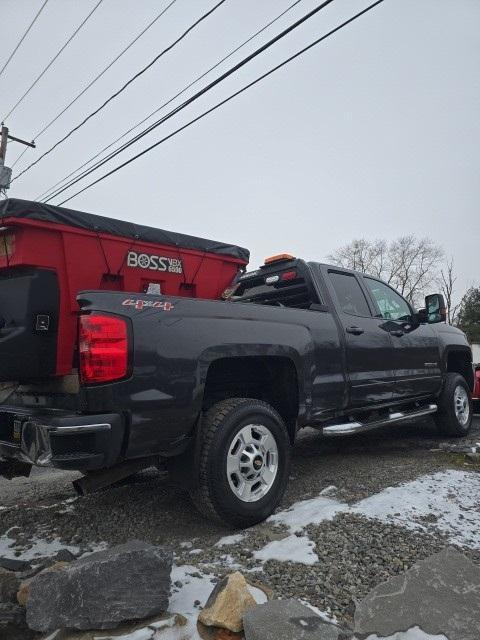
(271, 286)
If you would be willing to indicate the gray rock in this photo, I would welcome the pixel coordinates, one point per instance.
(128, 582)
(441, 595)
(12, 564)
(64, 555)
(286, 620)
(12, 623)
(9, 584)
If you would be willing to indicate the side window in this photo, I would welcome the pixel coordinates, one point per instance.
(351, 298)
(391, 304)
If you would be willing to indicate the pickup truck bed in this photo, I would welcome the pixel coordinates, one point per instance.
(217, 390)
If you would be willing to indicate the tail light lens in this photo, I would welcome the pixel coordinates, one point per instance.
(103, 346)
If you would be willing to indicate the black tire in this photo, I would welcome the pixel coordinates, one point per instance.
(214, 496)
(446, 418)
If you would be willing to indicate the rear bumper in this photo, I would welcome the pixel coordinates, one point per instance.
(64, 441)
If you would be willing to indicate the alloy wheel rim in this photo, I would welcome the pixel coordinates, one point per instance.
(252, 462)
(462, 405)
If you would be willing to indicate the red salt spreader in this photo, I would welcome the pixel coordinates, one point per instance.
(48, 254)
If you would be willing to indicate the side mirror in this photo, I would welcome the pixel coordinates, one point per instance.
(435, 309)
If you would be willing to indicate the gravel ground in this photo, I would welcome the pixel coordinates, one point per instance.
(355, 553)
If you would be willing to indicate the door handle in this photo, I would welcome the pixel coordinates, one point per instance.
(356, 331)
(397, 332)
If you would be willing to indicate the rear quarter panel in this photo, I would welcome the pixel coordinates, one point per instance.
(174, 348)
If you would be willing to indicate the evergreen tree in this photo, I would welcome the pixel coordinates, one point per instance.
(469, 314)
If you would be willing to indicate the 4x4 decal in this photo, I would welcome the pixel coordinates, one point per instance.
(147, 304)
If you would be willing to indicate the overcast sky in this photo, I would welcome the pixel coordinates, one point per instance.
(374, 133)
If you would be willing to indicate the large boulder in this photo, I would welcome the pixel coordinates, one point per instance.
(99, 591)
(227, 603)
(287, 620)
(440, 595)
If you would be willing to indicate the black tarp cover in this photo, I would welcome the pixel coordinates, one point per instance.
(15, 208)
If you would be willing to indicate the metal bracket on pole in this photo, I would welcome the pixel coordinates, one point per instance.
(6, 172)
(28, 144)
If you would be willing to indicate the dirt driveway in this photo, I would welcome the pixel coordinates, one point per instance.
(358, 510)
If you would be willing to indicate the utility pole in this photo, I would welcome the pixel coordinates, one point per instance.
(6, 172)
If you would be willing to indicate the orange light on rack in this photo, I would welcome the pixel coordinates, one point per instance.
(281, 257)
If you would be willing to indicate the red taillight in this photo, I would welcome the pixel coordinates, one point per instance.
(289, 275)
(103, 346)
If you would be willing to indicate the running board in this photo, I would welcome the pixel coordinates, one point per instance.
(348, 428)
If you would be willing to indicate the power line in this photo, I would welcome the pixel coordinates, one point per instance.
(20, 157)
(197, 79)
(221, 103)
(53, 60)
(197, 95)
(90, 84)
(129, 82)
(23, 37)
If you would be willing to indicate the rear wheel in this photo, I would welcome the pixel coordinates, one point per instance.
(244, 462)
(454, 416)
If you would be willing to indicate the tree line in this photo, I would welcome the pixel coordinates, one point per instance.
(414, 267)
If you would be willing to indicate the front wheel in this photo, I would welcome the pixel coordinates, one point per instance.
(244, 462)
(454, 416)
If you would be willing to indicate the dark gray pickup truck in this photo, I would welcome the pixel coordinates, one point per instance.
(217, 390)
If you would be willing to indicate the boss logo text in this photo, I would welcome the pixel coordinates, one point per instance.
(154, 263)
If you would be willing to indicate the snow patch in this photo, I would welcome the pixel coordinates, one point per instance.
(446, 501)
(289, 549)
(196, 587)
(230, 540)
(38, 548)
(312, 511)
(415, 633)
(139, 634)
(229, 561)
(162, 624)
(328, 490)
(449, 499)
(186, 545)
(258, 595)
(99, 546)
(165, 629)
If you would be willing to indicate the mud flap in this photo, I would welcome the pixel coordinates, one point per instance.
(102, 478)
(10, 469)
(183, 468)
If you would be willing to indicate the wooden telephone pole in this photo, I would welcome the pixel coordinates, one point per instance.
(6, 172)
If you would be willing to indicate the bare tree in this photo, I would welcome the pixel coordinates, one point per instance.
(409, 264)
(362, 255)
(447, 284)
